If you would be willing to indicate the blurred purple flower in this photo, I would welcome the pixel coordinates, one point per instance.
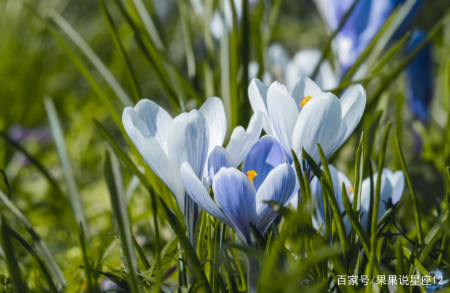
(20, 133)
(420, 84)
(364, 22)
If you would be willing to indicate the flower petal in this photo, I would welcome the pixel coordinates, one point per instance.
(386, 192)
(214, 114)
(257, 95)
(199, 194)
(353, 102)
(188, 141)
(219, 158)
(319, 122)
(236, 196)
(152, 152)
(397, 180)
(278, 187)
(283, 113)
(303, 88)
(242, 140)
(157, 120)
(265, 155)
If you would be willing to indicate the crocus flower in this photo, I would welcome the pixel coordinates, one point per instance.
(300, 119)
(362, 25)
(338, 178)
(241, 195)
(392, 185)
(302, 65)
(166, 143)
(437, 282)
(420, 84)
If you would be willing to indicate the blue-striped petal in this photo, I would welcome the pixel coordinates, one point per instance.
(236, 196)
(199, 194)
(278, 187)
(188, 141)
(265, 155)
(219, 158)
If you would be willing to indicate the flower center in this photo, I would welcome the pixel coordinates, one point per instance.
(251, 174)
(305, 100)
(351, 190)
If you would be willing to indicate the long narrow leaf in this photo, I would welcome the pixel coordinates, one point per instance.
(11, 260)
(116, 193)
(74, 196)
(39, 245)
(90, 54)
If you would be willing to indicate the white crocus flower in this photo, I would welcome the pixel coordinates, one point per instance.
(392, 185)
(338, 178)
(307, 116)
(166, 143)
(302, 65)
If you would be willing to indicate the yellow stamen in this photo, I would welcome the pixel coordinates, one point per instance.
(251, 174)
(351, 189)
(305, 100)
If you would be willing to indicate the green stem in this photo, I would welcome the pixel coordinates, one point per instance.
(254, 269)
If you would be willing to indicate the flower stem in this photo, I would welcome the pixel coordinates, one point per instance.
(254, 268)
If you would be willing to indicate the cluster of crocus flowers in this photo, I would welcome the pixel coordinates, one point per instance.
(187, 151)
(392, 185)
(166, 143)
(242, 196)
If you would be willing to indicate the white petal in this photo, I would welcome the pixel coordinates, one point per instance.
(353, 102)
(214, 114)
(303, 88)
(242, 140)
(397, 180)
(199, 194)
(257, 95)
(152, 152)
(319, 122)
(157, 120)
(283, 113)
(303, 65)
(188, 141)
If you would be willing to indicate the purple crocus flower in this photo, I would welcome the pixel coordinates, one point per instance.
(420, 84)
(241, 195)
(365, 21)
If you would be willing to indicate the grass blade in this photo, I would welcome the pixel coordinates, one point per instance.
(41, 263)
(11, 260)
(122, 54)
(39, 245)
(114, 182)
(376, 204)
(410, 186)
(93, 58)
(33, 161)
(74, 196)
